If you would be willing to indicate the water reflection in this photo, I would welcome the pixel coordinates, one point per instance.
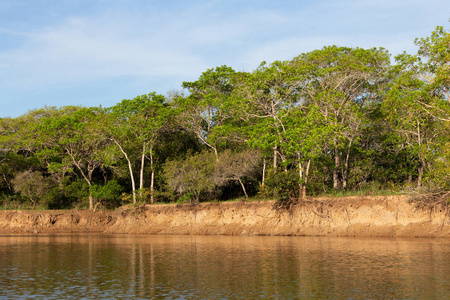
(221, 267)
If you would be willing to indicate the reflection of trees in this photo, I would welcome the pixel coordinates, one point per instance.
(205, 267)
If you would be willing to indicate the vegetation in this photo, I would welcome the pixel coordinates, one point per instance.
(330, 121)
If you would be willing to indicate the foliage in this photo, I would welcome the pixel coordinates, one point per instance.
(336, 120)
(32, 185)
(282, 186)
(194, 174)
(236, 167)
(109, 194)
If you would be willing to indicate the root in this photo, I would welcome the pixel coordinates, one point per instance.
(434, 201)
(321, 208)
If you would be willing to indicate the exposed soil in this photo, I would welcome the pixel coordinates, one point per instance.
(352, 216)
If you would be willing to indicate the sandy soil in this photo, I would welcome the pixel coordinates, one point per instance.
(387, 216)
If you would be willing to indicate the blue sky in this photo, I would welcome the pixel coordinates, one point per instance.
(98, 52)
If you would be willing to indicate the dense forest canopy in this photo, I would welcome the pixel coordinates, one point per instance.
(334, 119)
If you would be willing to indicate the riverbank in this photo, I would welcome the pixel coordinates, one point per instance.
(383, 216)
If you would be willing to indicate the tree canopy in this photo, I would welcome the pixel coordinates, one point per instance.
(329, 120)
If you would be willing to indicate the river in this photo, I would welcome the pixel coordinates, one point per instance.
(92, 266)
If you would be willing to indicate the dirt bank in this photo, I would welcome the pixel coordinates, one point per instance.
(351, 216)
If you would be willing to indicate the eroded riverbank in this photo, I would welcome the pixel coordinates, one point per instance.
(352, 216)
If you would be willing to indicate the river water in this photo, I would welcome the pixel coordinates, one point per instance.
(222, 267)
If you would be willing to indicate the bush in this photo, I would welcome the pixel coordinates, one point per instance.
(282, 185)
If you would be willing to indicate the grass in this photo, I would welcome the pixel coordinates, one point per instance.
(361, 192)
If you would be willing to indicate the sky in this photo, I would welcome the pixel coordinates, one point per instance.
(98, 52)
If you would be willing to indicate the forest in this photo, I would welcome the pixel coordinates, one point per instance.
(330, 121)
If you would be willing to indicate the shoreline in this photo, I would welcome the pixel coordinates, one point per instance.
(358, 216)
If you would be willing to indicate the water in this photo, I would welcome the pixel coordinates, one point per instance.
(221, 267)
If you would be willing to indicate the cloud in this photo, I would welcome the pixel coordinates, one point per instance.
(79, 49)
(142, 45)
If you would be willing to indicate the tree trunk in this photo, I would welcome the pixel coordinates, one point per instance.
(91, 200)
(87, 177)
(197, 198)
(152, 186)
(306, 179)
(264, 172)
(337, 165)
(300, 177)
(243, 188)
(133, 185)
(303, 177)
(420, 170)
(152, 179)
(141, 172)
(346, 164)
(275, 154)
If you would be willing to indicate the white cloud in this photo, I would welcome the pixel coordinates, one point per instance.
(81, 49)
(163, 45)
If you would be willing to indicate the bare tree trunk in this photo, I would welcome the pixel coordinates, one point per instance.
(306, 179)
(303, 177)
(275, 154)
(346, 164)
(152, 200)
(152, 179)
(420, 170)
(87, 177)
(133, 185)
(197, 198)
(243, 188)
(91, 201)
(141, 172)
(300, 177)
(422, 163)
(264, 172)
(337, 165)
(6, 181)
(215, 153)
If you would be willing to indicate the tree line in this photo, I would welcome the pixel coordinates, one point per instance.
(334, 119)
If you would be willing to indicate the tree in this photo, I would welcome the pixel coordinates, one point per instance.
(262, 100)
(237, 166)
(403, 111)
(433, 60)
(304, 139)
(134, 127)
(203, 109)
(193, 174)
(344, 84)
(32, 184)
(77, 133)
(418, 101)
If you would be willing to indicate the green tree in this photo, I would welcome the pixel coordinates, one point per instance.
(76, 132)
(416, 129)
(417, 105)
(262, 101)
(134, 126)
(305, 138)
(203, 110)
(344, 84)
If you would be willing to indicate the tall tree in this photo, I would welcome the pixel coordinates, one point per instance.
(343, 83)
(418, 102)
(77, 133)
(134, 127)
(262, 100)
(204, 108)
